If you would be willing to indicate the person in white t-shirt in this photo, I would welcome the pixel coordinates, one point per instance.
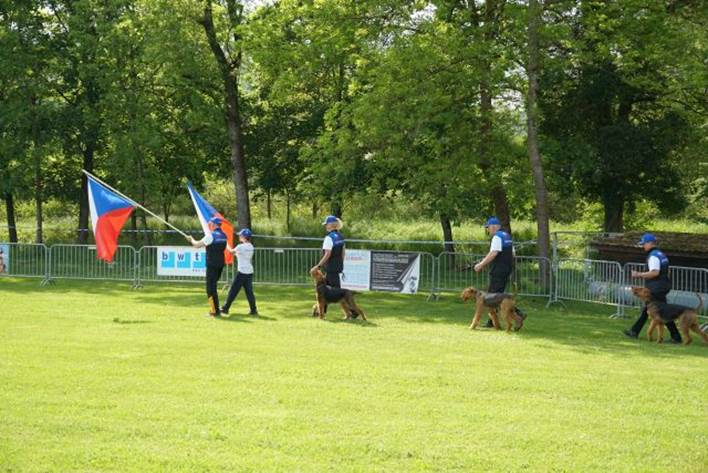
(244, 276)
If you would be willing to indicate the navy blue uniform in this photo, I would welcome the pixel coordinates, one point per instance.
(502, 265)
(335, 264)
(659, 287)
(214, 267)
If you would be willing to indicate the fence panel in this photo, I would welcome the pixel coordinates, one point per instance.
(532, 276)
(589, 281)
(80, 262)
(27, 260)
(148, 261)
(456, 272)
(685, 283)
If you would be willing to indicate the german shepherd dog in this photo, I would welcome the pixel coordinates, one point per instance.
(686, 318)
(326, 294)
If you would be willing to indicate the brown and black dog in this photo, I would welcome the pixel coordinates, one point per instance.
(687, 318)
(328, 294)
(506, 303)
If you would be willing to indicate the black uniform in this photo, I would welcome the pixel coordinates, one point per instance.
(659, 287)
(214, 267)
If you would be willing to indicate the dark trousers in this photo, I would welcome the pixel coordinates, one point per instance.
(213, 274)
(497, 282)
(659, 296)
(245, 281)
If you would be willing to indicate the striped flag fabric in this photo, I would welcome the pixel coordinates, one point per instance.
(109, 212)
(206, 211)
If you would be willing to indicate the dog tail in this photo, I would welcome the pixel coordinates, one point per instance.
(700, 303)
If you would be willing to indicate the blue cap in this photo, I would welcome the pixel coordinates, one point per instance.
(492, 221)
(246, 232)
(330, 219)
(647, 238)
(216, 220)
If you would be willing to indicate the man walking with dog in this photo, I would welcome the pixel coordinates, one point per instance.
(501, 261)
(332, 254)
(215, 244)
(657, 281)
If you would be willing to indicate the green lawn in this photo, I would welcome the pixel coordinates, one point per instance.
(96, 377)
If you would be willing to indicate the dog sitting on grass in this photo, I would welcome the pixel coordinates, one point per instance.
(328, 294)
(506, 303)
(659, 313)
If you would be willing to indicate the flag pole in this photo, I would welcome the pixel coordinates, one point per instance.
(135, 203)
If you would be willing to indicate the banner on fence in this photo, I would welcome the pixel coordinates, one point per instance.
(4, 259)
(395, 272)
(181, 261)
(357, 270)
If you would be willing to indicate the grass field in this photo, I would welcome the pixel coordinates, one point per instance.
(96, 377)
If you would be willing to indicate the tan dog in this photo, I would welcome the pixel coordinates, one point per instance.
(507, 306)
(326, 294)
(687, 320)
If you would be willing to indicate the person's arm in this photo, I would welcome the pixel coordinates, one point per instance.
(487, 259)
(654, 269)
(324, 259)
(200, 243)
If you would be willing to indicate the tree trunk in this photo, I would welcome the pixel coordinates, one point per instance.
(542, 224)
(269, 204)
(287, 212)
(315, 209)
(614, 214)
(147, 237)
(230, 69)
(37, 161)
(447, 233)
(497, 192)
(134, 227)
(337, 209)
(11, 223)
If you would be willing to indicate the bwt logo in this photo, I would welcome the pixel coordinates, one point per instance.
(182, 260)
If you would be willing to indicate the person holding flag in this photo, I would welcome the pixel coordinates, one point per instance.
(215, 243)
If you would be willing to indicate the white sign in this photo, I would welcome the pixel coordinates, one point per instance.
(357, 270)
(181, 261)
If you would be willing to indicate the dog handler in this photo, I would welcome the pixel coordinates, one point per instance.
(244, 275)
(215, 244)
(332, 260)
(501, 261)
(657, 281)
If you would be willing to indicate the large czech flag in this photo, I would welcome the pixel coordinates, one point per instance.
(109, 211)
(205, 212)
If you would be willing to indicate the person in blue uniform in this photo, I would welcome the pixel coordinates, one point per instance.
(657, 280)
(215, 244)
(500, 260)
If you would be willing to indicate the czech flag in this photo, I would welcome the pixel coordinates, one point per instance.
(109, 211)
(205, 212)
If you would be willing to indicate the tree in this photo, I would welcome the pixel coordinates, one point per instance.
(230, 60)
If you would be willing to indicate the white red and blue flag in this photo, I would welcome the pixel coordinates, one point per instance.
(205, 211)
(109, 211)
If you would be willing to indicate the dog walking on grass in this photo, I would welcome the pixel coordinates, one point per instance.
(328, 294)
(660, 313)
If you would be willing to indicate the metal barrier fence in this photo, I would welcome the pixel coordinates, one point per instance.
(80, 262)
(25, 260)
(531, 276)
(588, 281)
(594, 281)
